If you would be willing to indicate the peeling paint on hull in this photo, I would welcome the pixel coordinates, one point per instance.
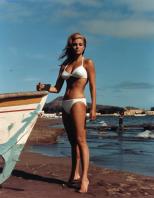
(18, 114)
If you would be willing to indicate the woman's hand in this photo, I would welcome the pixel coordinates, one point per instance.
(92, 115)
(40, 87)
(43, 87)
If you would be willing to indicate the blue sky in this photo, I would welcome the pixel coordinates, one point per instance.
(120, 41)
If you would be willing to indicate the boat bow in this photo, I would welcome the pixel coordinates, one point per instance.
(18, 114)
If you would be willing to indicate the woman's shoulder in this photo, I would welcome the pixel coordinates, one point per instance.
(88, 62)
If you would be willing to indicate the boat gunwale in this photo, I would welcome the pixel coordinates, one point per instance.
(23, 94)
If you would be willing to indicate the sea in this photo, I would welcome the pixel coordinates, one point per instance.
(131, 151)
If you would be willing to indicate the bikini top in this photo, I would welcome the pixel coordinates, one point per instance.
(79, 72)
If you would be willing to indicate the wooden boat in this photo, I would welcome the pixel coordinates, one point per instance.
(18, 114)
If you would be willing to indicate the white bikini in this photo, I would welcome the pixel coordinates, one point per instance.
(79, 72)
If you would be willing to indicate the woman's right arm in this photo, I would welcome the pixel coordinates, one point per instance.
(52, 89)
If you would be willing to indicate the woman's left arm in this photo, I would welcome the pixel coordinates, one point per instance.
(92, 85)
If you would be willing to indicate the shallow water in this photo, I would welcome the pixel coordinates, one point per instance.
(107, 149)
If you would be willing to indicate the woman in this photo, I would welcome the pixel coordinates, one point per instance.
(77, 71)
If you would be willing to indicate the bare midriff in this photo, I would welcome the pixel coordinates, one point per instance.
(75, 88)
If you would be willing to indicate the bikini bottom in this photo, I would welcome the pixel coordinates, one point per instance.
(67, 104)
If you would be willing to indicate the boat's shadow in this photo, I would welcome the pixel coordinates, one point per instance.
(31, 176)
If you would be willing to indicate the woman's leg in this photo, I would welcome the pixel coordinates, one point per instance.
(78, 113)
(75, 154)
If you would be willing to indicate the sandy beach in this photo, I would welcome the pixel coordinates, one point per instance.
(40, 176)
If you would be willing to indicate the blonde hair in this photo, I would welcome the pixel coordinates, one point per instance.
(67, 51)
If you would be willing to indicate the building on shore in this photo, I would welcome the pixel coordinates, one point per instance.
(149, 112)
(134, 111)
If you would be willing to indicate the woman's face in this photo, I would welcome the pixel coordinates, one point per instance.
(78, 46)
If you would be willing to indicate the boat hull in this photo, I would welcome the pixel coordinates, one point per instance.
(18, 115)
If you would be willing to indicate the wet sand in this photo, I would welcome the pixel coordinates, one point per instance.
(42, 133)
(40, 176)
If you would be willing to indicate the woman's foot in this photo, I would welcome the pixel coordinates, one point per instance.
(84, 186)
(75, 183)
(75, 179)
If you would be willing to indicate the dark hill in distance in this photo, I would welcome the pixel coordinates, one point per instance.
(55, 106)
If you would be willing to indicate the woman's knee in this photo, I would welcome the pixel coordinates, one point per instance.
(81, 140)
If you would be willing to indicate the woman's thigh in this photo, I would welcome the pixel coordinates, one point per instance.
(69, 126)
(78, 113)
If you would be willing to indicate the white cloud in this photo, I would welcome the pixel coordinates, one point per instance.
(37, 10)
(13, 11)
(67, 13)
(2, 2)
(72, 2)
(137, 5)
(122, 28)
(105, 21)
(134, 85)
